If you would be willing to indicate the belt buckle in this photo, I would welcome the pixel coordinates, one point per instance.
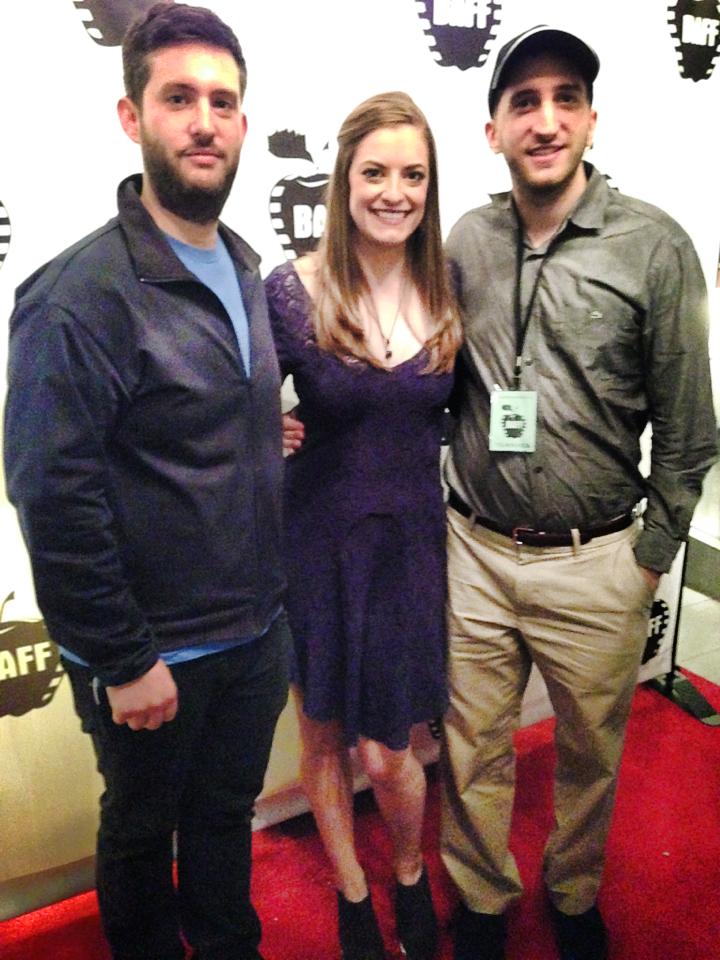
(517, 533)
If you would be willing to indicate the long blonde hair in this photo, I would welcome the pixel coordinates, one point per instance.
(341, 282)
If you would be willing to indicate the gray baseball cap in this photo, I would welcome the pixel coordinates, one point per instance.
(542, 39)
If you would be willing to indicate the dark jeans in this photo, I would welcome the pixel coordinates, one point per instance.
(198, 775)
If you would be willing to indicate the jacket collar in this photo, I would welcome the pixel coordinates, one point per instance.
(589, 212)
(152, 256)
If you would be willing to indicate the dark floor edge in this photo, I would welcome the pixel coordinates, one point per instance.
(23, 894)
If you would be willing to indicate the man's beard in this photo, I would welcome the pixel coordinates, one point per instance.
(189, 202)
(547, 191)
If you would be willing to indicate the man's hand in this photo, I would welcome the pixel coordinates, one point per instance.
(652, 577)
(145, 703)
(293, 432)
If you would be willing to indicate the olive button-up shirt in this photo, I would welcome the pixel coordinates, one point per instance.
(616, 338)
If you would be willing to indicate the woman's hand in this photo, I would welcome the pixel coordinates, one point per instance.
(293, 433)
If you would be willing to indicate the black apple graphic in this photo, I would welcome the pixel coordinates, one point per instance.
(657, 625)
(30, 669)
(512, 423)
(458, 34)
(695, 28)
(297, 203)
(106, 21)
(4, 233)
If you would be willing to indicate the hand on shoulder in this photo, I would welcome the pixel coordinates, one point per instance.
(307, 268)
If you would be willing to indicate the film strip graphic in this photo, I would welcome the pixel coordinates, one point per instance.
(657, 628)
(106, 21)
(21, 694)
(5, 232)
(695, 30)
(459, 33)
(297, 213)
(297, 207)
(30, 667)
(55, 682)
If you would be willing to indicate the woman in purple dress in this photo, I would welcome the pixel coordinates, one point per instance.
(368, 328)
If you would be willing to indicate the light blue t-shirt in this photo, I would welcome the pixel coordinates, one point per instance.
(216, 270)
(187, 653)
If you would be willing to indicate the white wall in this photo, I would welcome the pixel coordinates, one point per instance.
(310, 62)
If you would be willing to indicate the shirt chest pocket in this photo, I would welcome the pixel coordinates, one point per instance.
(599, 329)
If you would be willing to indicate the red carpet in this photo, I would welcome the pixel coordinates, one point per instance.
(660, 897)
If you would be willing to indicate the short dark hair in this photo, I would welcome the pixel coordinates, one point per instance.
(168, 24)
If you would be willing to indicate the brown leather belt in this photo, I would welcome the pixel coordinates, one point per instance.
(540, 538)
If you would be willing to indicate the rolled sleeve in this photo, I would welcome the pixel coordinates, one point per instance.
(684, 432)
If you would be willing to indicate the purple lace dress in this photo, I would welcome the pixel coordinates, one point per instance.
(364, 531)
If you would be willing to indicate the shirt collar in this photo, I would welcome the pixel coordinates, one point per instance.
(589, 212)
(152, 255)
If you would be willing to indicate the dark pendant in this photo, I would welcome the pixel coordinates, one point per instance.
(388, 354)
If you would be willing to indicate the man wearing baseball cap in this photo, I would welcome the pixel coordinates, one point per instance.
(585, 320)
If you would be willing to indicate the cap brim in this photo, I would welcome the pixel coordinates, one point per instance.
(537, 40)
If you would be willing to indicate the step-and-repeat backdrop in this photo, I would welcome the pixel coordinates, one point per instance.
(309, 63)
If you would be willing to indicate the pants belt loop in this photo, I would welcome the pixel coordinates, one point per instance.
(575, 533)
(518, 549)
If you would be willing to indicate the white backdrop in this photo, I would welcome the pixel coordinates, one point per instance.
(309, 63)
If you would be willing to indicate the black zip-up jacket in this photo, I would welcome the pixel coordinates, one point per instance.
(145, 466)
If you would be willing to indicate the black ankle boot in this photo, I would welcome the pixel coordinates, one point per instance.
(416, 921)
(358, 929)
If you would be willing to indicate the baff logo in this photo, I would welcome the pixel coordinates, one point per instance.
(513, 423)
(657, 627)
(459, 32)
(106, 21)
(297, 202)
(4, 233)
(695, 28)
(30, 669)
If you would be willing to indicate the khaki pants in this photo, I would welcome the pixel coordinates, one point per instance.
(580, 614)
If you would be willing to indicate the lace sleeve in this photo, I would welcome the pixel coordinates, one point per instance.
(289, 306)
